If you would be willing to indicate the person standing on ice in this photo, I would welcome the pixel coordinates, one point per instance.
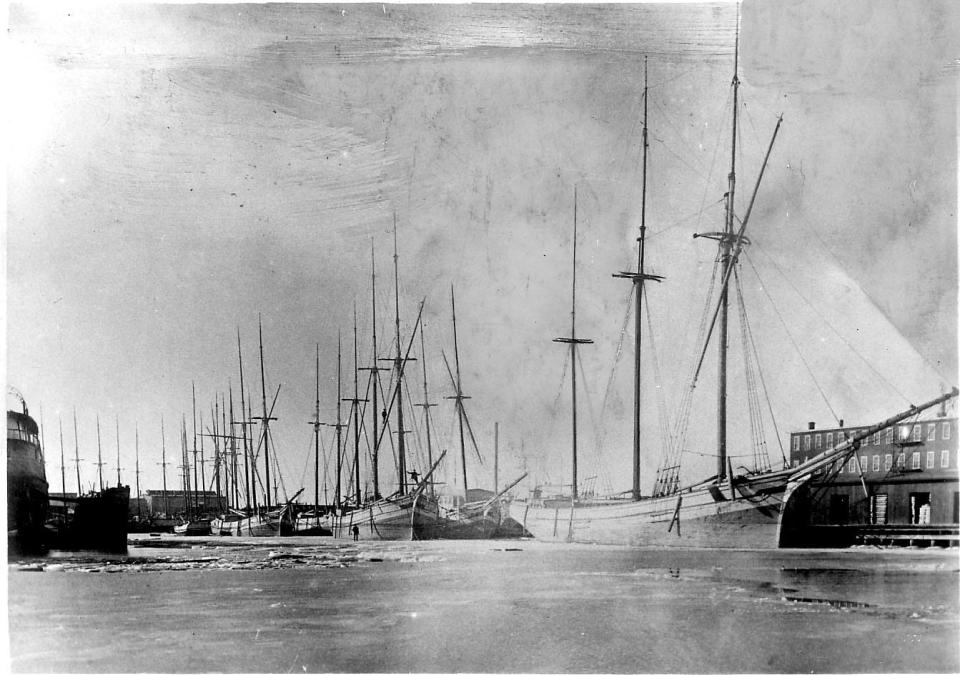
(356, 533)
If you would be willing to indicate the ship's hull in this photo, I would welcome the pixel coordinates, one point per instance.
(744, 515)
(403, 518)
(27, 490)
(257, 525)
(312, 526)
(99, 522)
(193, 528)
(492, 522)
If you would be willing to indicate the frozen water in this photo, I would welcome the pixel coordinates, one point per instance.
(322, 605)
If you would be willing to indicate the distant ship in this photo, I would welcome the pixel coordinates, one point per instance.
(27, 489)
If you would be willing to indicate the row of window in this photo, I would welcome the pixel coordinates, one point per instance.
(17, 434)
(872, 463)
(907, 432)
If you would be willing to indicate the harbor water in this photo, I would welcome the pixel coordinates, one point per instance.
(324, 605)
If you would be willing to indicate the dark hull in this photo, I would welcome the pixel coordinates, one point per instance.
(27, 508)
(99, 522)
(27, 492)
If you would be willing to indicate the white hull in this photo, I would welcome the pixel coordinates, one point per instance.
(703, 516)
(394, 519)
(249, 526)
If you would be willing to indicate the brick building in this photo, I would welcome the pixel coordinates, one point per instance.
(901, 482)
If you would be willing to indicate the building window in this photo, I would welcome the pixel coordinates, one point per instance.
(931, 459)
(876, 462)
(841, 468)
(796, 463)
(852, 465)
(917, 432)
(887, 462)
(915, 462)
(931, 432)
(864, 463)
(945, 459)
(818, 442)
(830, 440)
(796, 444)
(945, 432)
(806, 442)
(889, 435)
(901, 460)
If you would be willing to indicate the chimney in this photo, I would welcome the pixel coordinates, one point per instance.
(811, 426)
(841, 423)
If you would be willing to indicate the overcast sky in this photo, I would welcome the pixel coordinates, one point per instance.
(176, 170)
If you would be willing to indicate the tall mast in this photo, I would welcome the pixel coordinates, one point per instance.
(248, 466)
(203, 462)
(266, 418)
(638, 278)
(76, 450)
(339, 423)
(136, 445)
(573, 341)
(196, 496)
(459, 396)
(496, 456)
(316, 444)
(426, 405)
(375, 380)
(356, 411)
(63, 468)
(219, 457)
(398, 364)
(119, 483)
(99, 455)
(163, 465)
(185, 454)
(726, 245)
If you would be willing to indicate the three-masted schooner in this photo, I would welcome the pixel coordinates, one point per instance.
(749, 510)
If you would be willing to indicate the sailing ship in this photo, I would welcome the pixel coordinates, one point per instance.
(267, 520)
(726, 510)
(412, 511)
(27, 489)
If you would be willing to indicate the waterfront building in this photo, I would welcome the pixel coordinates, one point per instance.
(900, 486)
(173, 502)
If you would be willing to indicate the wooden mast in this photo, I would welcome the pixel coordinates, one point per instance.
(459, 395)
(355, 402)
(99, 455)
(638, 278)
(163, 465)
(196, 495)
(426, 405)
(398, 364)
(63, 468)
(316, 444)
(248, 466)
(136, 446)
(266, 418)
(573, 341)
(76, 450)
(119, 480)
(726, 245)
(375, 379)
